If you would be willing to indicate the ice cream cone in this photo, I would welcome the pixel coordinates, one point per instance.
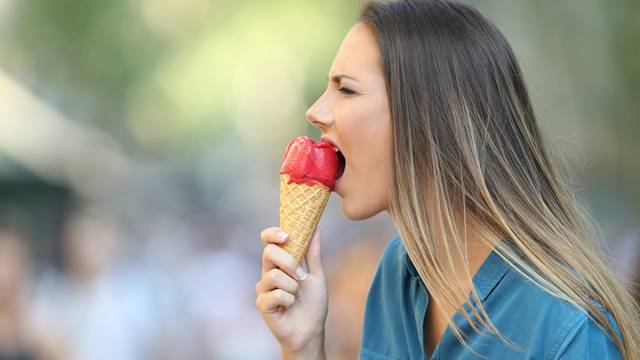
(307, 178)
(301, 206)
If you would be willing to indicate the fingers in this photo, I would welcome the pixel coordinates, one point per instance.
(277, 279)
(270, 301)
(274, 256)
(273, 235)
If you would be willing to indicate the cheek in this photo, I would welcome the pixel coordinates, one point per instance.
(367, 133)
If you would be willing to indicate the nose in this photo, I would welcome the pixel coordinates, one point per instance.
(320, 115)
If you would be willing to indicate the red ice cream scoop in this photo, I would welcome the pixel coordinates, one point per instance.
(308, 161)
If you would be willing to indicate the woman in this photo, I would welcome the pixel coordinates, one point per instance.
(495, 259)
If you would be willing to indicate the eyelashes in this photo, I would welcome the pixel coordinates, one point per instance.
(346, 91)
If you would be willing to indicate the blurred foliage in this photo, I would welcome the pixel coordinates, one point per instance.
(167, 76)
(193, 82)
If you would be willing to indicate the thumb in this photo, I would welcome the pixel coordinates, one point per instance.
(314, 254)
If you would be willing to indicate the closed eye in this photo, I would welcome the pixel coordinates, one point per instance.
(346, 91)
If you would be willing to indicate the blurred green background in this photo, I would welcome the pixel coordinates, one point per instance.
(140, 142)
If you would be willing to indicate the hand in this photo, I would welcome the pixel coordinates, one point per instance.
(294, 308)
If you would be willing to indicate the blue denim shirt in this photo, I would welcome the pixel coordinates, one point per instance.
(543, 326)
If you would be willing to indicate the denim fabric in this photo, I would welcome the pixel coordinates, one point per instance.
(540, 325)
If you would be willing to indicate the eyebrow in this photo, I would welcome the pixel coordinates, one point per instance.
(338, 77)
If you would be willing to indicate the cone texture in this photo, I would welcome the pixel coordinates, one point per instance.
(301, 206)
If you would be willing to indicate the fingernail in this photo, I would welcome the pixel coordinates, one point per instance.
(301, 274)
(283, 235)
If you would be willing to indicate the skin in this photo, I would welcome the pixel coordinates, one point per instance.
(359, 124)
(354, 115)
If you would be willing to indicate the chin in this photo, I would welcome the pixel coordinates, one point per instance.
(355, 213)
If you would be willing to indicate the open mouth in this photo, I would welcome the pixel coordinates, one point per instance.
(341, 164)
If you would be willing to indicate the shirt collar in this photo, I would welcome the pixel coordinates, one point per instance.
(492, 270)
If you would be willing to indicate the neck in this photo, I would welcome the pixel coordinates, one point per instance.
(470, 252)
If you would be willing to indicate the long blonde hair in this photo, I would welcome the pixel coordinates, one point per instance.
(467, 148)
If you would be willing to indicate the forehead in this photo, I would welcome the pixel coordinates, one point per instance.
(358, 54)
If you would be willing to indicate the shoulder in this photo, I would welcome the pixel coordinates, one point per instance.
(540, 320)
(393, 302)
(393, 253)
(394, 267)
(583, 339)
(391, 265)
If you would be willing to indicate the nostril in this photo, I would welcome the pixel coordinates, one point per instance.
(319, 118)
(315, 122)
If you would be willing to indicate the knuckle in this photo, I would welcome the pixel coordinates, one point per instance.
(277, 294)
(273, 275)
(276, 253)
(292, 264)
(289, 298)
(268, 252)
(270, 248)
(281, 295)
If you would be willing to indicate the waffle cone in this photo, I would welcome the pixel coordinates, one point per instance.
(301, 206)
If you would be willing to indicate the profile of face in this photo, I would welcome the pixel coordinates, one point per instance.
(353, 113)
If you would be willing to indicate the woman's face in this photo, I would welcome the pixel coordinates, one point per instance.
(353, 113)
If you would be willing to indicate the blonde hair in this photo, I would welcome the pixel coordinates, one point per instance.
(467, 149)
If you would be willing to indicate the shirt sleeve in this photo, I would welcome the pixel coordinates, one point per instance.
(585, 340)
